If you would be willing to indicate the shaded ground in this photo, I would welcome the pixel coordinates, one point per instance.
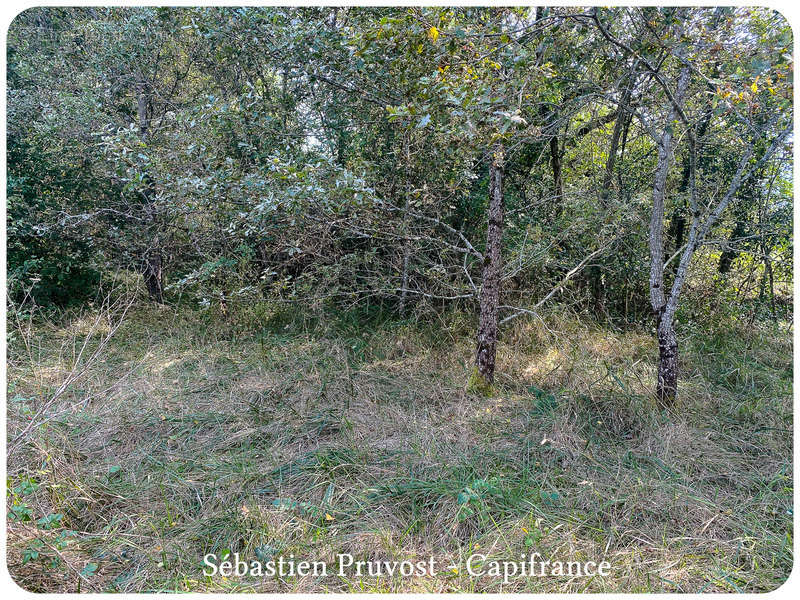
(278, 434)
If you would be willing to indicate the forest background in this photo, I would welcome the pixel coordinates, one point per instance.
(399, 282)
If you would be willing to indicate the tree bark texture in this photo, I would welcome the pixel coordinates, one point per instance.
(490, 289)
(153, 278)
(667, 383)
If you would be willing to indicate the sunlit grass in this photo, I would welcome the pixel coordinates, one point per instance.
(314, 438)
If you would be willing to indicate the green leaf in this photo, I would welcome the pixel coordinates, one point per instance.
(51, 521)
(326, 499)
(20, 512)
(29, 555)
(26, 487)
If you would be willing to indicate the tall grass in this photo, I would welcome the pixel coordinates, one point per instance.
(275, 432)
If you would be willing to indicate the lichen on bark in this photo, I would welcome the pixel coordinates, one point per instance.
(479, 385)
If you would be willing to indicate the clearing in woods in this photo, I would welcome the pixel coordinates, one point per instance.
(276, 433)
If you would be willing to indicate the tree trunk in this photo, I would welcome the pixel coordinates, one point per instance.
(619, 125)
(595, 273)
(771, 288)
(483, 377)
(667, 385)
(404, 292)
(153, 278)
(768, 276)
(555, 163)
(731, 253)
(152, 259)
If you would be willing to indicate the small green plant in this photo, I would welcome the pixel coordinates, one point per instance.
(25, 487)
(22, 404)
(472, 499)
(47, 544)
(20, 512)
(532, 536)
(50, 521)
(545, 403)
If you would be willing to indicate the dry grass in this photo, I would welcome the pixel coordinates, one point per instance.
(194, 434)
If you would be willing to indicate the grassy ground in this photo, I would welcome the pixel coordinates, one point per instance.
(271, 433)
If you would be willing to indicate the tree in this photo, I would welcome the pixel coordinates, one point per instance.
(665, 302)
(486, 352)
(405, 160)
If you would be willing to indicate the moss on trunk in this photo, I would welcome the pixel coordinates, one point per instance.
(478, 384)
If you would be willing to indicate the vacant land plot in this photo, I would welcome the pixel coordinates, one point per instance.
(277, 434)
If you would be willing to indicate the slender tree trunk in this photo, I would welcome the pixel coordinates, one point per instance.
(771, 288)
(667, 383)
(555, 163)
(730, 253)
(619, 125)
(152, 259)
(153, 277)
(766, 249)
(626, 126)
(768, 276)
(595, 273)
(141, 108)
(406, 257)
(486, 352)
